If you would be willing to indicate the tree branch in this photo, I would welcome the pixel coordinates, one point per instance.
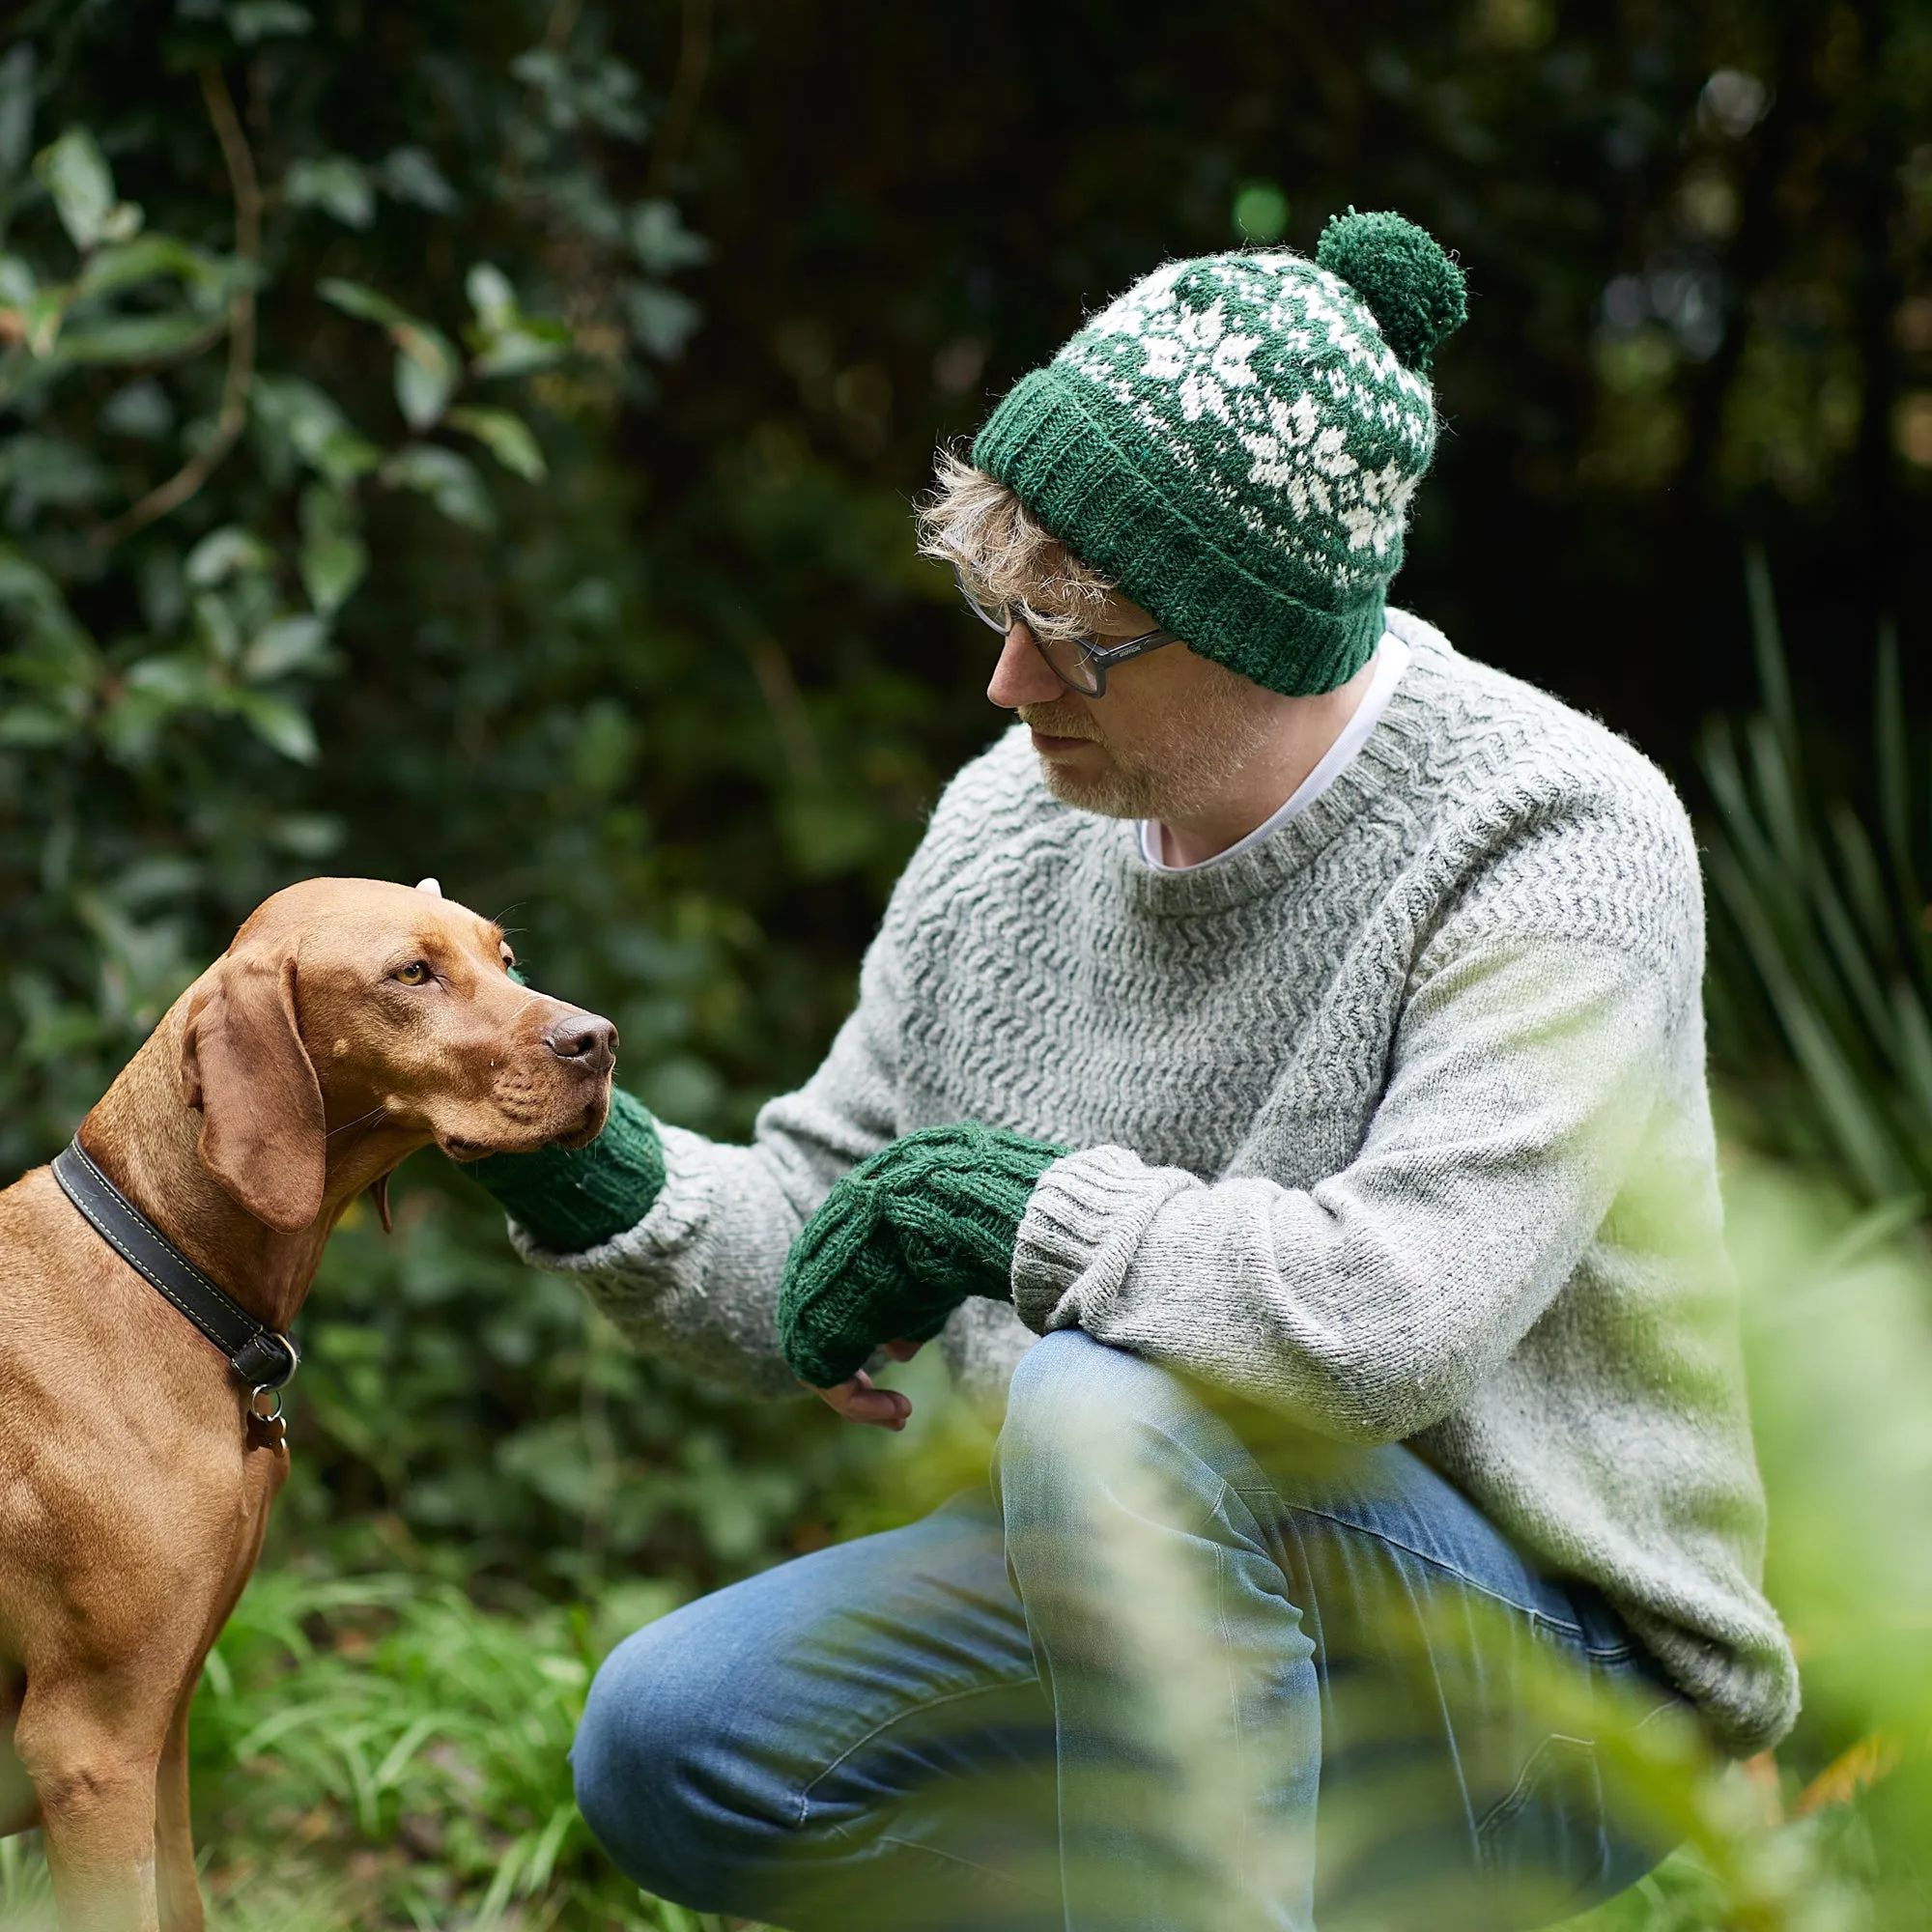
(687, 89)
(234, 411)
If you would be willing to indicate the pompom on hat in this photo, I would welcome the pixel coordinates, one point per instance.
(1236, 441)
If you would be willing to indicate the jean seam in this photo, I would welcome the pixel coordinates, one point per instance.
(1516, 1796)
(1675, 1701)
(826, 1770)
(1581, 1751)
(1448, 1570)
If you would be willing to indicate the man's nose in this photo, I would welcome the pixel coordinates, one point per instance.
(588, 1040)
(1022, 676)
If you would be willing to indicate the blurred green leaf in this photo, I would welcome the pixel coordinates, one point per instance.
(661, 319)
(450, 480)
(139, 408)
(147, 338)
(277, 722)
(313, 426)
(365, 303)
(427, 366)
(531, 343)
(75, 173)
(127, 264)
(41, 321)
(288, 644)
(335, 183)
(1260, 213)
(253, 20)
(179, 677)
(49, 470)
(334, 559)
(35, 725)
(218, 621)
(27, 590)
(412, 175)
(491, 295)
(592, 90)
(427, 371)
(506, 437)
(223, 552)
(661, 241)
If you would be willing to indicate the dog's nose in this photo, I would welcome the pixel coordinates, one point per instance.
(587, 1039)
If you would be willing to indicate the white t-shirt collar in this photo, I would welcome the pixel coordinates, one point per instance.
(1391, 659)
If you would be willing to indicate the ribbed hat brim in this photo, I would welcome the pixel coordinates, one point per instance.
(1265, 615)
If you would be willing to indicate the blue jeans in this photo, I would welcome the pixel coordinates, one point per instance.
(1177, 1668)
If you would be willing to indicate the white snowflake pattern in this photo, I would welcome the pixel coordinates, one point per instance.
(1172, 335)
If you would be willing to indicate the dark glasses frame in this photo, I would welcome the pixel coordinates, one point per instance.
(1084, 658)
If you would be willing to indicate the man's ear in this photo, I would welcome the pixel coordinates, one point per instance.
(245, 1066)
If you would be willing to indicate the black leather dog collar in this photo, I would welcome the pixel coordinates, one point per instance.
(263, 1357)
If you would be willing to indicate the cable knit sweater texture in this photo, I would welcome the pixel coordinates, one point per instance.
(1396, 1123)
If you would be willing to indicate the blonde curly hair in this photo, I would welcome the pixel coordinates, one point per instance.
(974, 522)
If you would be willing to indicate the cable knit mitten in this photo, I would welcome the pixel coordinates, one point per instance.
(569, 1199)
(901, 1241)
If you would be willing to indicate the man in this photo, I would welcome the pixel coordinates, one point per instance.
(1279, 1075)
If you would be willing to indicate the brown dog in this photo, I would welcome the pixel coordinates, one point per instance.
(350, 1022)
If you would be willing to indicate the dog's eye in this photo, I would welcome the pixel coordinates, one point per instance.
(416, 973)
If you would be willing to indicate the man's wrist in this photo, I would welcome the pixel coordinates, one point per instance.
(570, 1199)
(901, 1240)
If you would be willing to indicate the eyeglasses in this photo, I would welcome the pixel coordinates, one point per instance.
(1080, 663)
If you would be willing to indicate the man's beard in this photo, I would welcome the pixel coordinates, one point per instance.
(1171, 777)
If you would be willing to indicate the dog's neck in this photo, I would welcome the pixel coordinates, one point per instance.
(145, 1137)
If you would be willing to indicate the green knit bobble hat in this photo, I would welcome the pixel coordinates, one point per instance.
(1236, 441)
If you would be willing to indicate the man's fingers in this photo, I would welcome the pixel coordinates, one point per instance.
(902, 1352)
(858, 1401)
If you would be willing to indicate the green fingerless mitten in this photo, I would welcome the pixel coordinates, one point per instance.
(901, 1241)
(569, 1199)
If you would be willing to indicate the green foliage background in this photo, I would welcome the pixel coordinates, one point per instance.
(478, 441)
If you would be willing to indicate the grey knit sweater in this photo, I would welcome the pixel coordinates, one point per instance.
(1396, 1123)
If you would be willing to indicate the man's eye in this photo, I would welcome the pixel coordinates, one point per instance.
(416, 973)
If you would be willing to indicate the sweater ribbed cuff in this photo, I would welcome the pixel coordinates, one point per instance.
(678, 1218)
(1087, 1215)
(570, 1199)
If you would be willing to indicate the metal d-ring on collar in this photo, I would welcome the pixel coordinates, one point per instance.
(263, 1357)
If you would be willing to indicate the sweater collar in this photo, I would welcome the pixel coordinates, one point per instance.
(1387, 760)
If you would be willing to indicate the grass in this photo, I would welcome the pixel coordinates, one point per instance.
(1821, 990)
(382, 1751)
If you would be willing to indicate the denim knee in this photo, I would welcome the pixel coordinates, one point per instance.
(1068, 1371)
(1076, 1400)
(645, 1762)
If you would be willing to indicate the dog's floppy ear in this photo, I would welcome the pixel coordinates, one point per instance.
(245, 1066)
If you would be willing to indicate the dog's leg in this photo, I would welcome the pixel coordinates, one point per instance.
(179, 1885)
(19, 1806)
(93, 1748)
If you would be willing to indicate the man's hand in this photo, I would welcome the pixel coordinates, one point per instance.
(861, 1399)
(900, 1243)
